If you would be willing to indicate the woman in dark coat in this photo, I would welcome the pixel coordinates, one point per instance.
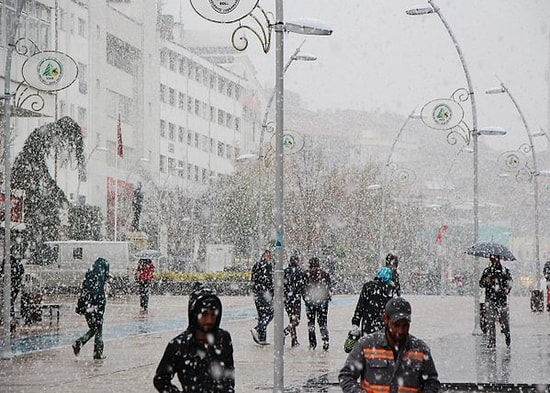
(92, 303)
(201, 356)
(372, 300)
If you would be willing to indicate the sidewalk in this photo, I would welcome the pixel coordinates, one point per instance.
(445, 323)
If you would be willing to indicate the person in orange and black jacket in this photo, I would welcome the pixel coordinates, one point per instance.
(201, 356)
(317, 294)
(390, 360)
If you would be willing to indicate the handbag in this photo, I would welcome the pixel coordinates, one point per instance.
(81, 305)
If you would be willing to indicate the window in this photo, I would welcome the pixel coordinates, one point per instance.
(162, 129)
(170, 148)
(181, 169)
(181, 134)
(181, 101)
(122, 55)
(204, 143)
(82, 78)
(77, 253)
(82, 27)
(237, 124)
(230, 89)
(171, 131)
(220, 149)
(189, 104)
(197, 107)
(162, 164)
(189, 138)
(163, 93)
(173, 60)
(229, 120)
(182, 65)
(163, 57)
(82, 117)
(197, 140)
(172, 97)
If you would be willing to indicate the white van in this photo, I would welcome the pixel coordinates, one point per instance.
(60, 266)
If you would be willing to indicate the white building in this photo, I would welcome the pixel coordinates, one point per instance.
(183, 118)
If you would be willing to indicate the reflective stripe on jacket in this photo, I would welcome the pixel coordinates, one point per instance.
(372, 361)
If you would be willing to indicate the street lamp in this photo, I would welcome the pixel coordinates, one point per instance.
(534, 174)
(237, 11)
(296, 56)
(389, 164)
(473, 134)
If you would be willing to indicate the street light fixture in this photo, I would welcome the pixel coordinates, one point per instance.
(534, 173)
(473, 133)
(237, 12)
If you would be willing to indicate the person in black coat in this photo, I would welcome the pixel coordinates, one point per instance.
(497, 281)
(17, 271)
(294, 280)
(262, 290)
(392, 261)
(372, 300)
(201, 356)
(317, 295)
(91, 304)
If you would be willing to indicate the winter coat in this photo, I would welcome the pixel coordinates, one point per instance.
(92, 292)
(145, 270)
(372, 360)
(499, 285)
(546, 271)
(317, 286)
(17, 272)
(262, 278)
(370, 305)
(199, 369)
(294, 281)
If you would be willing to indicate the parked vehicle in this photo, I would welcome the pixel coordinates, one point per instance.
(59, 266)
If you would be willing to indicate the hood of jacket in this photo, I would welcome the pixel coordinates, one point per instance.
(203, 298)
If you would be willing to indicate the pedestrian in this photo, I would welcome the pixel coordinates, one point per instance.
(91, 304)
(202, 355)
(546, 273)
(262, 289)
(17, 271)
(392, 261)
(497, 281)
(145, 274)
(390, 360)
(372, 300)
(317, 294)
(294, 280)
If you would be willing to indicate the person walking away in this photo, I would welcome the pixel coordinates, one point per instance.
(145, 274)
(497, 281)
(392, 261)
(391, 359)
(201, 356)
(17, 272)
(546, 273)
(317, 294)
(367, 317)
(91, 304)
(294, 279)
(262, 289)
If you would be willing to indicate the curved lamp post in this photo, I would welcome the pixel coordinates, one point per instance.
(472, 134)
(296, 56)
(233, 11)
(514, 162)
(404, 176)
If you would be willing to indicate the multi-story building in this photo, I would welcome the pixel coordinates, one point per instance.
(180, 117)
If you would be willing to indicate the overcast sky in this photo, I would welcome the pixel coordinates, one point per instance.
(380, 59)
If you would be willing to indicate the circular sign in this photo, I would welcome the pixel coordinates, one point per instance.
(224, 11)
(512, 161)
(442, 114)
(293, 142)
(49, 71)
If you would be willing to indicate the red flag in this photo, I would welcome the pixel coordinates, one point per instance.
(120, 146)
(439, 237)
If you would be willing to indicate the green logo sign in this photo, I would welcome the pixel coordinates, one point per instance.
(442, 114)
(50, 71)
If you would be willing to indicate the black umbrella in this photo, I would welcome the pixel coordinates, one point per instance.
(485, 250)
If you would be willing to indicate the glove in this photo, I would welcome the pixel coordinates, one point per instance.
(352, 338)
(355, 331)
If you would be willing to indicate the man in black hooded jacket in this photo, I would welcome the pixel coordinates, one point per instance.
(201, 356)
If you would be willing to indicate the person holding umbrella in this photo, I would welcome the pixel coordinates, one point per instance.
(497, 281)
